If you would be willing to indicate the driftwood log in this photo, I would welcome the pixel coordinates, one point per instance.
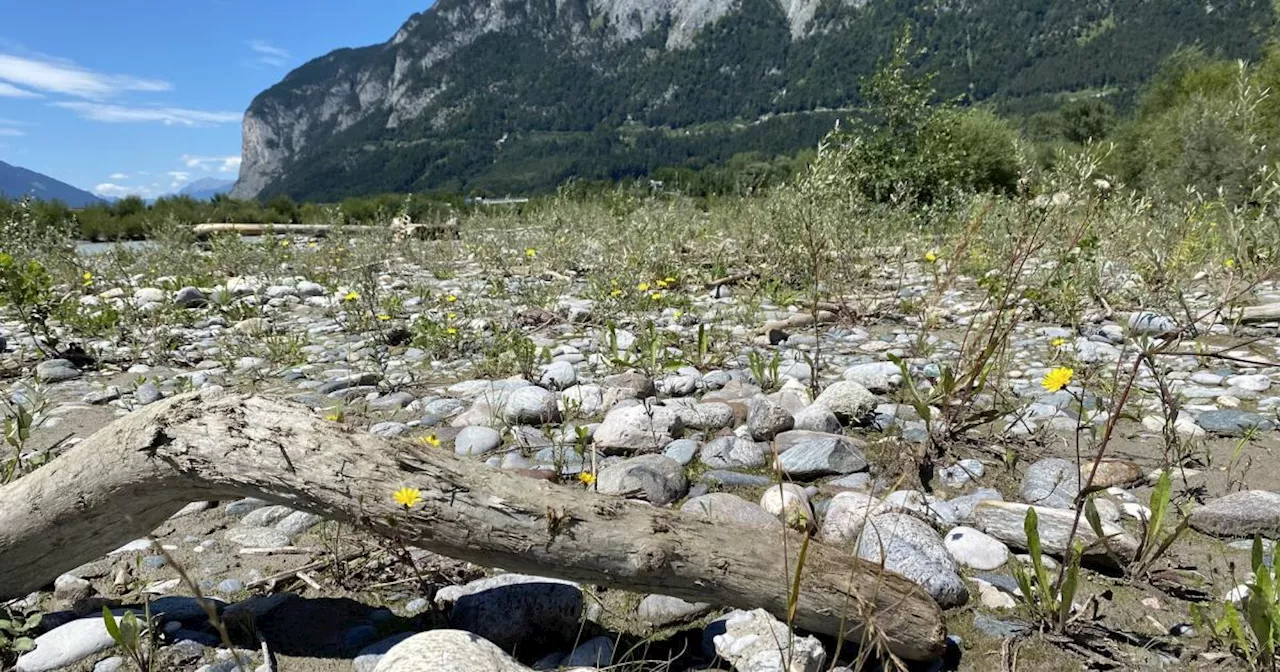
(130, 476)
(418, 231)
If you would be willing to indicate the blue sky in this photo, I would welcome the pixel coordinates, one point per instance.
(142, 96)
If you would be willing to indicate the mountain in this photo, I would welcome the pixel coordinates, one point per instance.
(512, 96)
(206, 188)
(16, 182)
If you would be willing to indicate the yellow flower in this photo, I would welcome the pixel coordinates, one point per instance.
(930, 256)
(407, 497)
(656, 296)
(352, 296)
(312, 245)
(450, 316)
(1058, 342)
(613, 281)
(88, 278)
(644, 286)
(451, 299)
(530, 252)
(678, 313)
(284, 243)
(587, 477)
(335, 416)
(670, 280)
(1229, 263)
(662, 284)
(452, 331)
(384, 317)
(430, 440)
(1057, 379)
(615, 293)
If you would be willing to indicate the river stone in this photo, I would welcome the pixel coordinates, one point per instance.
(709, 416)
(476, 440)
(817, 419)
(821, 457)
(848, 400)
(732, 452)
(734, 479)
(976, 549)
(660, 610)
(266, 516)
(585, 400)
(257, 537)
(766, 419)
(452, 650)
(877, 377)
(729, 508)
(910, 547)
(789, 502)
(1231, 422)
(66, 645)
(189, 297)
(531, 405)
(846, 514)
(637, 429)
(298, 522)
(596, 652)
(369, 657)
(1111, 473)
(682, 450)
(755, 641)
(628, 385)
(56, 370)
(963, 505)
(513, 610)
(1252, 383)
(558, 375)
(1051, 482)
(654, 478)
(1151, 324)
(1240, 514)
(1005, 521)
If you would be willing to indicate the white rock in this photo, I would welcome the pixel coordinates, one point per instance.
(976, 549)
(755, 641)
(790, 502)
(638, 428)
(66, 645)
(453, 650)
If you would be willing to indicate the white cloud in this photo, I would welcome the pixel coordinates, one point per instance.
(64, 77)
(221, 164)
(10, 91)
(169, 116)
(111, 190)
(118, 176)
(269, 54)
(180, 178)
(11, 132)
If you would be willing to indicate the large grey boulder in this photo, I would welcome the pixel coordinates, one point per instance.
(638, 429)
(452, 650)
(1240, 514)
(513, 610)
(910, 547)
(657, 479)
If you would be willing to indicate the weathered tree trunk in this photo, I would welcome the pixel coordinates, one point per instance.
(126, 479)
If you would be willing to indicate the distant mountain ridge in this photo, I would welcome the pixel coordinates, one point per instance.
(513, 96)
(206, 188)
(17, 182)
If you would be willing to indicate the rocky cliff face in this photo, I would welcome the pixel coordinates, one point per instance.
(514, 95)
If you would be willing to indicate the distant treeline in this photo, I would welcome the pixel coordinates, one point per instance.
(1202, 124)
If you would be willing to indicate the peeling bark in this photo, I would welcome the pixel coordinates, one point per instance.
(129, 477)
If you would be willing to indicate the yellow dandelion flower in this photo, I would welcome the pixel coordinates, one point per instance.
(662, 284)
(336, 416)
(530, 252)
(670, 280)
(1058, 342)
(384, 317)
(644, 286)
(615, 293)
(452, 331)
(88, 278)
(1057, 379)
(587, 477)
(450, 316)
(1229, 263)
(407, 497)
(352, 296)
(430, 440)
(656, 296)
(284, 243)
(678, 313)
(313, 245)
(930, 256)
(451, 299)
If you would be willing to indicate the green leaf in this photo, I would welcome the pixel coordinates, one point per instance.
(1091, 515)
(1031, 527)
(32, 621)
(1069, 584)
(109, 620)
(23, 644)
